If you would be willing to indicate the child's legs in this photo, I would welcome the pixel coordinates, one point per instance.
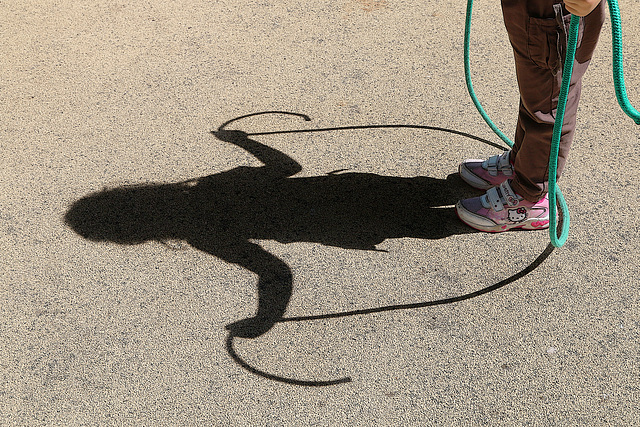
(539, 42)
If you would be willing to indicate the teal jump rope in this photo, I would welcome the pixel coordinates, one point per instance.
(559, 236)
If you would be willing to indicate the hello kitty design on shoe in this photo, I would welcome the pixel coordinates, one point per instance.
(502, 209)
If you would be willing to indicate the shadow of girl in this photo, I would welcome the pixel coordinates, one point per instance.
(222, 214)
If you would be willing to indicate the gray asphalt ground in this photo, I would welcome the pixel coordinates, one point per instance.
(108, 94)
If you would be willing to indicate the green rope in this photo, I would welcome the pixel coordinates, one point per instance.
(559, 237)
(618, 72)
(467, 75)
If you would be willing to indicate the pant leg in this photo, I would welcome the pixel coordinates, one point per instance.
(538, 32)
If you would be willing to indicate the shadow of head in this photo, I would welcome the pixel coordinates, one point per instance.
(130, 215)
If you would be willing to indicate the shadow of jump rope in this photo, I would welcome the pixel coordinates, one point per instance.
(311, 383)
(393, 126)
(234, 355)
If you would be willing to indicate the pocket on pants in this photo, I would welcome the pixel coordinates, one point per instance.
(542, 42)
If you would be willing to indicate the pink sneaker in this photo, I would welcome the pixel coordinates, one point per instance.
(501, 209)
(484, 174)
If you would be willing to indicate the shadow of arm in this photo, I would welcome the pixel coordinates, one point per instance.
(275, 162)
(275, 283)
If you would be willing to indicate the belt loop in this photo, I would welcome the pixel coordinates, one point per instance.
(561, 45)
(559, 12)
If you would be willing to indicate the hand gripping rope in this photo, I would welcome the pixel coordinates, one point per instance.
(559, 237)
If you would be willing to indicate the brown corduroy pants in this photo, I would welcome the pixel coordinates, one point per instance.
(538, 31)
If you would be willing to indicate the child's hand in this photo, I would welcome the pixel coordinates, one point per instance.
(581, 7)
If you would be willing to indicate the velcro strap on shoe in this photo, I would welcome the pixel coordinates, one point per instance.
(504, 164)
(494, 199)
(509, 195)
(498, 163)
(491, 165)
